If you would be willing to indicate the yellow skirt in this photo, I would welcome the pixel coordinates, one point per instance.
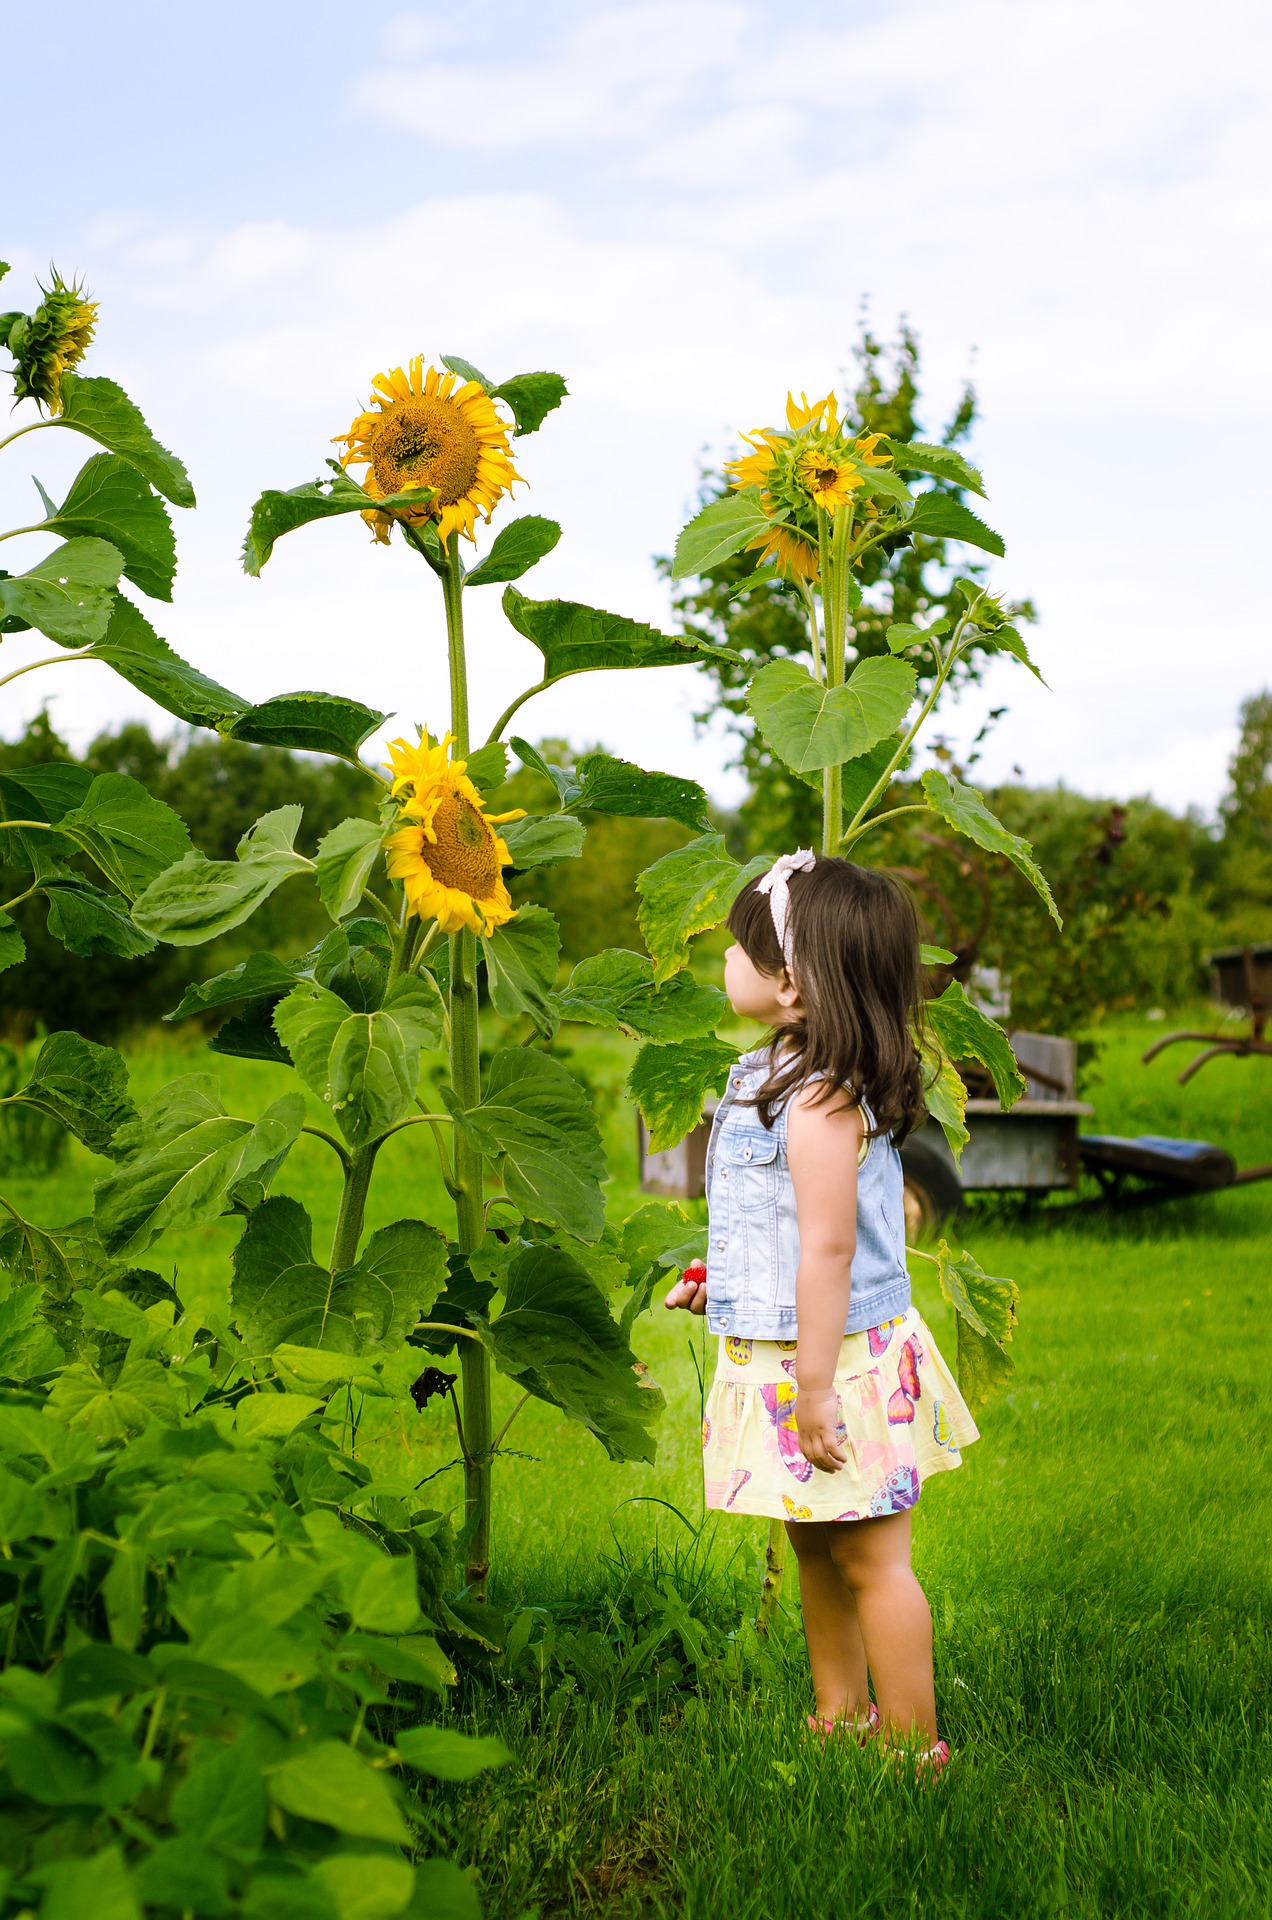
(901, 1418)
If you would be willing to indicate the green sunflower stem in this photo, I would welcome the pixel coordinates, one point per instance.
(353, 1206)
(465, 1075)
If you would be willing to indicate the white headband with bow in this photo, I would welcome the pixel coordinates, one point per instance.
(776, 883)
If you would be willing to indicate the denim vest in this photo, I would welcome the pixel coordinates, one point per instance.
(753, 1243)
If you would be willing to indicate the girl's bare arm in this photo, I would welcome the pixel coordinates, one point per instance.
(822, 1144)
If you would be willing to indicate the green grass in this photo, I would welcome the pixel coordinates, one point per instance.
(1098, 1571)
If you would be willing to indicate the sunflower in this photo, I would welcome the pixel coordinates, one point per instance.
(431, 429)
(49, 342)
(448, 856)
(815, 463)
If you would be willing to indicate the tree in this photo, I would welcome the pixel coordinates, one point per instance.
(905, 579)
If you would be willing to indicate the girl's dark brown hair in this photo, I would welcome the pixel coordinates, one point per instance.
(855, 940)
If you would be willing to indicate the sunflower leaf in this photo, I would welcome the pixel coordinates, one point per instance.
(68, 595)
(281, 1296)
(110, 500)
(346, 857)
(578, 639)
(669, 1084)
(12, 945)
(920, 456)
(941, 516)
(532, 397)
(616, 989)
(986, 1314)
(687, 892)
(104, 412)
(811, 726)
(88, 921)
(944, 1095)
(487, 767)
(251, 1034)
(721, 529)
(260, 976)
(537, 1124)
(364, 1066)
(465, 369)
(517, 547)
(83, 1086)
(196, 899)
(181, 1159)
(542, 839)
(521, 967)
(557, 1337)
(132, 647)
(277, 513)
(308, 723)
(965, 1033)
(860, 776)
(129, 834)
(562, 778)
(965, 810)
(607, 785)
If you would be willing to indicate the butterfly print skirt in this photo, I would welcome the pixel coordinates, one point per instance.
(901, 1418)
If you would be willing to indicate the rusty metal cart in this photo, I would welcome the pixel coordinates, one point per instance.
(1242, 978)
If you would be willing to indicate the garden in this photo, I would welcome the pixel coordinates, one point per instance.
(354, 1554)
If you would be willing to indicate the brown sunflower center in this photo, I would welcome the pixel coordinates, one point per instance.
(425, 442)
(466, 856)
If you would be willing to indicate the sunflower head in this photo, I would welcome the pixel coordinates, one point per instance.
(446, 853)
(816, 463)
(429, 429)
(49, 342)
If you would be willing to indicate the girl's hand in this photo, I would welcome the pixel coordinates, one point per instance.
(817, 1423)
(690, 1290)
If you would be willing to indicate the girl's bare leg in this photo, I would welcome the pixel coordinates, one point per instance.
(872, 1557)
(836, 1650)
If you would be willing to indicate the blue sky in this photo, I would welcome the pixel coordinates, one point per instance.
(680, 204)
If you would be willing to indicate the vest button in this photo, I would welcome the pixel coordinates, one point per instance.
(746, 1153)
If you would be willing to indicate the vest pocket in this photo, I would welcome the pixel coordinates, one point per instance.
(747, 1158)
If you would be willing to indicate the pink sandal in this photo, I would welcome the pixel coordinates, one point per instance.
(862, 1730)
(928, 1765)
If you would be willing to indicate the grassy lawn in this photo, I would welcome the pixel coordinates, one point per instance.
(1099, 1577)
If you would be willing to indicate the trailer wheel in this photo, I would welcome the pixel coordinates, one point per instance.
(932, 1189)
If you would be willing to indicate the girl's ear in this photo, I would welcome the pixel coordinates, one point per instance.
(787, 991)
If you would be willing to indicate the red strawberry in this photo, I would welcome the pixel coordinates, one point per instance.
(695, 1273)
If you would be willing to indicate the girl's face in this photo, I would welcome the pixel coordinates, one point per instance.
(768, 997)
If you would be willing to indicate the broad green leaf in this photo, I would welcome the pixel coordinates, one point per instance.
(277, 513)
(140, 1392)
(449, 1755)
(936, 956)
(88, 921)
(521, 967)
(332, 1784)
(905, 634)
(375, 1588)
(669, 1084)
(198, 898)
(353, 961)
(99, 1884)
(578, 639)
(466, 371)
(487, 767)
(811, 726)
(532, 397)
(68, 595)
(942, 517)
(562, 778)
(21, 1509)
(860, 777)
(365, 1066)
(104, 412)
(185, 1155)
(966, 1034)
(132, 647)
(129, 834)
(184, 1876)
(540, 840)
(221, 1799)
(945, 1096)
(557, 1336)
(83, 1086)
(109, 500)
(443, 1891)
(261, 974)
(1009, 640)
(516, 548)
(12, 945)
(367, 1886)
(921, 456)
(309, 723)
(414, 1657)
(269, 1416)
(346, 858)
(687, 892)
(721, 529)
(985, 1310)
(965, 810)
(250, 1034)
(607, 785)
(616, 989)
(537, 1124)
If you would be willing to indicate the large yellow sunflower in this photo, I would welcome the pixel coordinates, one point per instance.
(814, 464)
(431, 429)
(49, 342)
(448, 857)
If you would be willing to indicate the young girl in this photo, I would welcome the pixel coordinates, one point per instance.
(831, 1404)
